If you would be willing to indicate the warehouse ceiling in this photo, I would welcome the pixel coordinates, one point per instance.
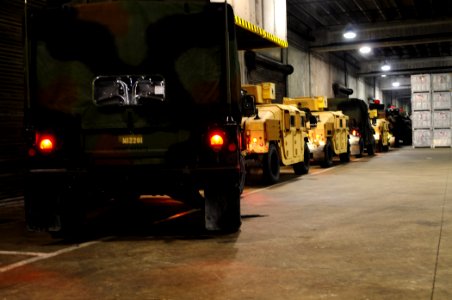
(413, 36)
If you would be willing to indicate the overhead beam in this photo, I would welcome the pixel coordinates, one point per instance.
(391, 42)
(408, 66)
(384, 35)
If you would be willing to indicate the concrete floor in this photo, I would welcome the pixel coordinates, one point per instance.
(375, 228)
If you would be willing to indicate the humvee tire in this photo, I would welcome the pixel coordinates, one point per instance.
(242, 179)
(302, 167)
(371, 148)
(345, 157)
(271, 165)
(328, 158)
(361, 148)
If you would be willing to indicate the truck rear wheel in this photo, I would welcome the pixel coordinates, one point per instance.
(242, 174)
(59, 211)
(222, 205)
(329, 153)
(271, 165)
(371, 148)
(379, 147)
(361, 148)
(302, 167)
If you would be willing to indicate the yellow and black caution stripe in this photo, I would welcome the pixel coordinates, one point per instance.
(251, 36)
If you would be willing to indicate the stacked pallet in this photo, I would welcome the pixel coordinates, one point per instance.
(431, 110)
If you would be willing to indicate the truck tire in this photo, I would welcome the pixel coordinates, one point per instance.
(302, 167)
(242, 174)
(361, 148)
(222, 205)
(59, 211)
(371, 148)
(379, 147)
(328, 155)
(71, 210)
(345, 157)
(271, 165)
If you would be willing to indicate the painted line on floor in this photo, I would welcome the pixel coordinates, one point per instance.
(284, 182)
(301, 177)
(42, 256)
(23, 253)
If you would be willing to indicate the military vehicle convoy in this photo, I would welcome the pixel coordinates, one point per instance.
(274, 135)
(135, 97)
(328, 133)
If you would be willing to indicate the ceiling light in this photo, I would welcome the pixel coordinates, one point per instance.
(349, 35)
(383, 75)
(385, 67)
(365, 49)
(349, 32)
(396, 84)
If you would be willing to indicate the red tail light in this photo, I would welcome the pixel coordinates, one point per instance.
(45, 143)
(355, 132)
(216, 140)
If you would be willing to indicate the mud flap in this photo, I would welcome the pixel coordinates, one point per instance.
(222, 205)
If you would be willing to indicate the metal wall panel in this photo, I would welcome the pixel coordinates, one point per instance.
(12, 96)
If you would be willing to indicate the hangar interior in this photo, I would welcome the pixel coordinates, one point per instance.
(372, 226)
(414, 37)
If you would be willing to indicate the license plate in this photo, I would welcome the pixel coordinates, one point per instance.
(131, 139)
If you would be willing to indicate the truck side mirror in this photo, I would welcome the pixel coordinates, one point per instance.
(248, 106)
(313, 121)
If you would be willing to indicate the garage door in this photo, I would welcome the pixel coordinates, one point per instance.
(11, 96)
(262, 69)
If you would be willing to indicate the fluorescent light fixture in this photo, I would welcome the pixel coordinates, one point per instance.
(365, 49)
(385, 67)
(383, 75)
(349, 32)
(349, 35)
(396, 84)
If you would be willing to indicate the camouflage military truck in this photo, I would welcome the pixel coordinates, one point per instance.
(328, 134)
(361, 131)
(128, 98)
(274, 135)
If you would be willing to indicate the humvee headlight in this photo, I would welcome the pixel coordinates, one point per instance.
(377, 136)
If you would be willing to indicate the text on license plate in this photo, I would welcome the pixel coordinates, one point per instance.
(131, 139)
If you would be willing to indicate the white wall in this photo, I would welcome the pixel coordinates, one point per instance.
(299, 81)
(267, 14)
(314, 75)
